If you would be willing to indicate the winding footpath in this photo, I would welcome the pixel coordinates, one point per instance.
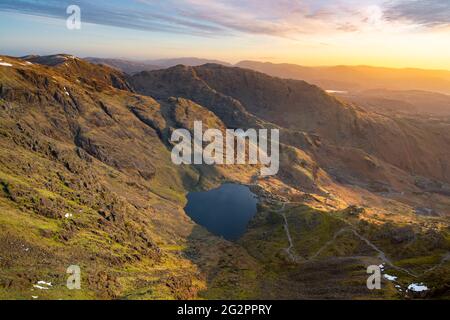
(289, 249)
(381, 254)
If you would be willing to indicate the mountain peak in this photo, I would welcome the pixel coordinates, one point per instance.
(50, 60)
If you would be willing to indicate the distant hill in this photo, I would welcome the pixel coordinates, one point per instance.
(132, 66)
(127, 66)
(406, 102)
(356, 78)
(188, 61)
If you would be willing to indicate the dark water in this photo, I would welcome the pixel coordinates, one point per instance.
(225, 211)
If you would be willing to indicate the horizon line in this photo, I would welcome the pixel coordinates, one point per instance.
(230, 63)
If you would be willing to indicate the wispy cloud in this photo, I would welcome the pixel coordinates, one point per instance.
(428, 13)
(283, 18)
(124, 14)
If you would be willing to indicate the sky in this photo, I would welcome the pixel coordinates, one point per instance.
(391, 33)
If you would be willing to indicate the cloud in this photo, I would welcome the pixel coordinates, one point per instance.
(212, 18)
(283, 17)
(428, 13)
(123, 14)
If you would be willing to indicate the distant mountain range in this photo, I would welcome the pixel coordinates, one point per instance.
(132, 67)
(401, 102)
(357, 78)
(193, 62)
(351, 79)
(127, 66)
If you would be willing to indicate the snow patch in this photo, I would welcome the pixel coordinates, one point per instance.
(417, 287)
(42, 285)
(389, 277)
(5, 64)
